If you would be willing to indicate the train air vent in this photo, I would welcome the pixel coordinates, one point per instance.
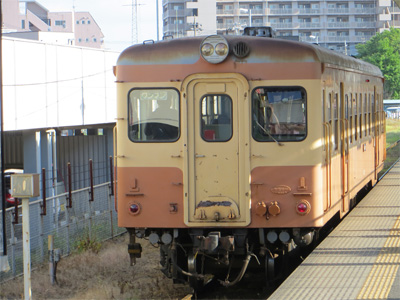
(241, 49)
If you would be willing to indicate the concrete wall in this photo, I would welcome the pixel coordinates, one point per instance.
(48, 85)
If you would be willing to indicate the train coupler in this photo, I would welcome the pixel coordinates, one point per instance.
(135, 251)
(214, 242)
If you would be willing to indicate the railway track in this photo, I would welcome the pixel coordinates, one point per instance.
(252, 286)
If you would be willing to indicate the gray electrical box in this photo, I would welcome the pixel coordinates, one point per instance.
(25, 185)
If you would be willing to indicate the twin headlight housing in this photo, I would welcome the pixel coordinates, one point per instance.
(214, 49)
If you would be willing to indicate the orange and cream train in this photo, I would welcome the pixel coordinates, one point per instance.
(233, 147)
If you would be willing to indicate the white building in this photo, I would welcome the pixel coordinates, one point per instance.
(47, 85)
(59, 106)
(337, 25)
(28, 19)
(189, 18)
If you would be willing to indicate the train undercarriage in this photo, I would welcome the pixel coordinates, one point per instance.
(198, 256)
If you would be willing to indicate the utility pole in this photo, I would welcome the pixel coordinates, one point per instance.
(158, 20)
(134, 32)
(134, 22)
(4, 266)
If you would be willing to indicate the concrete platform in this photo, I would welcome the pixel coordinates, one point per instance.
(360, 259)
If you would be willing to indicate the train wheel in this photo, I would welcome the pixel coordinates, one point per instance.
(195, 283)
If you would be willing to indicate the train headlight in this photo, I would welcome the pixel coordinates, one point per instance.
(221, 49)
(303, 207)
(214, 49)
(207, 49)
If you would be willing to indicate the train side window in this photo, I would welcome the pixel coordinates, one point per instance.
(336, 122)
(382, 114)
(279, 114)
(369, 114)
(153, 115)
(373, 114)
(383, 118)
(216, 118)
(330, 101)
(351, 117)
(326, 110)
(365, 115)
(360, 109)
(355, 107)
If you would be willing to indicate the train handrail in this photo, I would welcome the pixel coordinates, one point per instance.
(115, 167)
(348, 155)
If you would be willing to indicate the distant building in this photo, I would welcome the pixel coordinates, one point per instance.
(335, 24)
(28, 19)
(392, 108)
(189, 18)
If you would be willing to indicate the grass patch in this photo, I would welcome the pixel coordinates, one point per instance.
(88, 244)
(392, 147)
(392, 131)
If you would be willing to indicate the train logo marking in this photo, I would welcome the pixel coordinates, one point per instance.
(281, 189)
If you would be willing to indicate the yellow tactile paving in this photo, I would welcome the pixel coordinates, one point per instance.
(383, 273)
(360, 259)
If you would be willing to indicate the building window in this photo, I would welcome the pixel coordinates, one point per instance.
(88, 22)
(22, 8)
(80, 40)
(87, 40)
(77, 22)
(60, 23)
(83, 21)
(94, 40)
(23, 24)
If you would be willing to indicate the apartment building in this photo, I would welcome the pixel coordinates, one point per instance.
(28, 19)
(189, 18)
(334, 24)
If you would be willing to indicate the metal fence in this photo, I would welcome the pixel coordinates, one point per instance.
(88, 216)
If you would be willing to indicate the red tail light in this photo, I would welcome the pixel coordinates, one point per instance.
(303, 207)
(134, 208)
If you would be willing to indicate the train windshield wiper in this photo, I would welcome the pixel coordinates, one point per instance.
(279, 143)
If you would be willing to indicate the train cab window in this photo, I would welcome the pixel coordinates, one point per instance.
(153, 115)
(279, 114)
(216, 118)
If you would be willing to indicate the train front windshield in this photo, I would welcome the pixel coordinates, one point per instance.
(154, 115)
(279, 114)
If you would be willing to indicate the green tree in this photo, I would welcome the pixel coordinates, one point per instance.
(383, 50)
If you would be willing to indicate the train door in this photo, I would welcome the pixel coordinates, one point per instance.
(328, 148)
(375, 122)
(217, 124)
(344, 146)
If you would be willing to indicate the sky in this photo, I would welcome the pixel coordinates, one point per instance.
(115, 18)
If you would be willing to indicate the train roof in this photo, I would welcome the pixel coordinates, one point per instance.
(261, 50)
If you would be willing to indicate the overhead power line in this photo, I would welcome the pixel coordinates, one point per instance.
(58, 81)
